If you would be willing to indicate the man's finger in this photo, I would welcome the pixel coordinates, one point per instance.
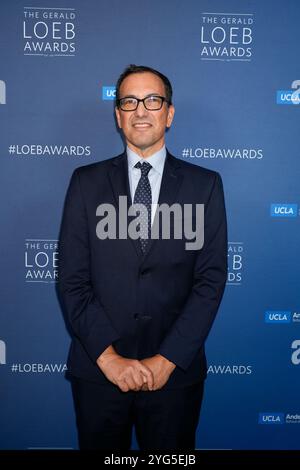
(138, 379)
(123, 386)
(130, 382)
(149, 376)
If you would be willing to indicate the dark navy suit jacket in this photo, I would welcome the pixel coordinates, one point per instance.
(162, 302)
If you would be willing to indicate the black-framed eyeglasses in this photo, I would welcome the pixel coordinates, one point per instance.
(151, 102)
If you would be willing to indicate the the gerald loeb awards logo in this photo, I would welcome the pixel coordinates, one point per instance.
(49, 31)
(227, 36)
(41, 260)
(235, 263)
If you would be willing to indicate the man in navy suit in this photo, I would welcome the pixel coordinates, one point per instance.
(139, 308)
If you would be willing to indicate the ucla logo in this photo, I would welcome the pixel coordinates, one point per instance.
(284, 210)
(271, 418)
(277, 317)
(289, 96)
(108, 92)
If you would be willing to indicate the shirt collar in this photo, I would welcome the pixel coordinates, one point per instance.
(157, 160)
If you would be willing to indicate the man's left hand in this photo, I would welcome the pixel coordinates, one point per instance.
(161, 368)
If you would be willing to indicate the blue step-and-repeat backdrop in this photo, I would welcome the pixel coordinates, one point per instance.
(235, 70)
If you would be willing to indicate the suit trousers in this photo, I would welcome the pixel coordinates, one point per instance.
(163, 419)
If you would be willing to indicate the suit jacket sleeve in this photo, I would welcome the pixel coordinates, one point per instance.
(192, 326)
(84, 311)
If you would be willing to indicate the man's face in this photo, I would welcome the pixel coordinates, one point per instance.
(144, 130)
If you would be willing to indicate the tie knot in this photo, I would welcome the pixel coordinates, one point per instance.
(145, 167)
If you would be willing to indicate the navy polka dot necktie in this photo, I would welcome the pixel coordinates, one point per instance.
(143, 196)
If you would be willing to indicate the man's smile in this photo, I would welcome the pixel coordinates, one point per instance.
(142, 125)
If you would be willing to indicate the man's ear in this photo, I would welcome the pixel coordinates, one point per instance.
(117, 111)
(171, 112)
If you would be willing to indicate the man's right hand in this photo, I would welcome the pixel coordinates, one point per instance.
(127, 374)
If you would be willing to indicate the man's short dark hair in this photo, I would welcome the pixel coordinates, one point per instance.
(132, 68)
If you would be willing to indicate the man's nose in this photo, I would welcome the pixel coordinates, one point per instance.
(141, 110)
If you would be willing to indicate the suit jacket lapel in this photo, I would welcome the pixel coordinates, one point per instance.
(118, 176)
(170, 184)
(171, 180)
